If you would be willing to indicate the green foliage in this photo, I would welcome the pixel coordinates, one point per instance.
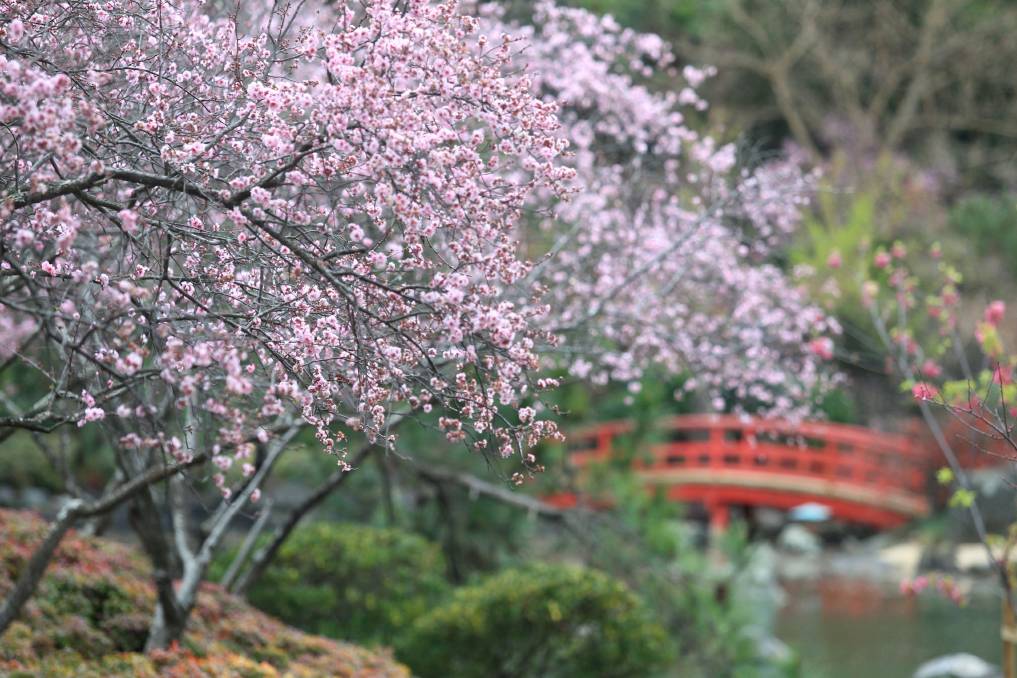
(962, 499)
(648, 400)
(717, 606)
(352, 581)
(90, 618)
(478, 536)
(24, 464)
(839, 407)
(85, 453)
(848, 235)
(989, 224)
(852, 223)
(547, 621)
(668, 18)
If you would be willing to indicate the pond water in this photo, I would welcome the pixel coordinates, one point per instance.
(846, 627)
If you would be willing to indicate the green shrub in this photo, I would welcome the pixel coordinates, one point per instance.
(352, 581)
(989, 223)
(551, 621)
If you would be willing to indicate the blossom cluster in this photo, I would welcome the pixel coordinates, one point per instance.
(211, 222)
(944, 586)
(665, 257)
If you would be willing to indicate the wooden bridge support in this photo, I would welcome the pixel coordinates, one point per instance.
(720, 518)
(1008, 632)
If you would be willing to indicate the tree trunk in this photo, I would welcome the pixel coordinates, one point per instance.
(29, 578)
(174, 606)
(73, 511)
(168, 619)
(265, 555)
(240, 558)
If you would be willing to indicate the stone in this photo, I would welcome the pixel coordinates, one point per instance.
(798, 539)
(960, 665)
(34, 498)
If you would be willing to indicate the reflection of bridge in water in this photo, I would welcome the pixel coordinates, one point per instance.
(722, 461)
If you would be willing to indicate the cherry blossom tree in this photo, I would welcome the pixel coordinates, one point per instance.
(665, 259)
(662, 258)
(222, 225)
(216, 226)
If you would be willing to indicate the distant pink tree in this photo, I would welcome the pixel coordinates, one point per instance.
(953, 362)
(223, 224)
(664, 259)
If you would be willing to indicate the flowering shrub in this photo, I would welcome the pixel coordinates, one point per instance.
(946, 364)
(921, 324)
(91, 616)
(552, 621)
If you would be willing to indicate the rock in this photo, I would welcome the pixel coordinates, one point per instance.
(798, 539)
(34, 498)
(960, 665)
(938, 556)
(973, 559)
(775, 651)
(756, 588)
(904, 558)
(769, 521)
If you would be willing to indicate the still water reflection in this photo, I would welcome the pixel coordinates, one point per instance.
(846, 628)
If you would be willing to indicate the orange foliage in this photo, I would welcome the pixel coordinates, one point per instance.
(90, 616)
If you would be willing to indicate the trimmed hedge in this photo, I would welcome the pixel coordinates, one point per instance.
(547, 621)
(352, 581)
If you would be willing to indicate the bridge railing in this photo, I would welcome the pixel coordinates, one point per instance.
(823, 452)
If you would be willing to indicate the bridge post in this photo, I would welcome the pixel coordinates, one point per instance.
(720, 517)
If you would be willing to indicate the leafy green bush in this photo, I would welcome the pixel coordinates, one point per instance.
(990, 224)
(551, 621)
(352, 581)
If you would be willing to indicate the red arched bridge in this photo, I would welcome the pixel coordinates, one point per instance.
(722, 461)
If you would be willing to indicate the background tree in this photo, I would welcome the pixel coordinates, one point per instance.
(666, 258)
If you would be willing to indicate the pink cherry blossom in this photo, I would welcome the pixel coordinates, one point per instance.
(822, 347)
(312, 222)
(394, 208)
(931, 369)
(923, 390)
(994, 312)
